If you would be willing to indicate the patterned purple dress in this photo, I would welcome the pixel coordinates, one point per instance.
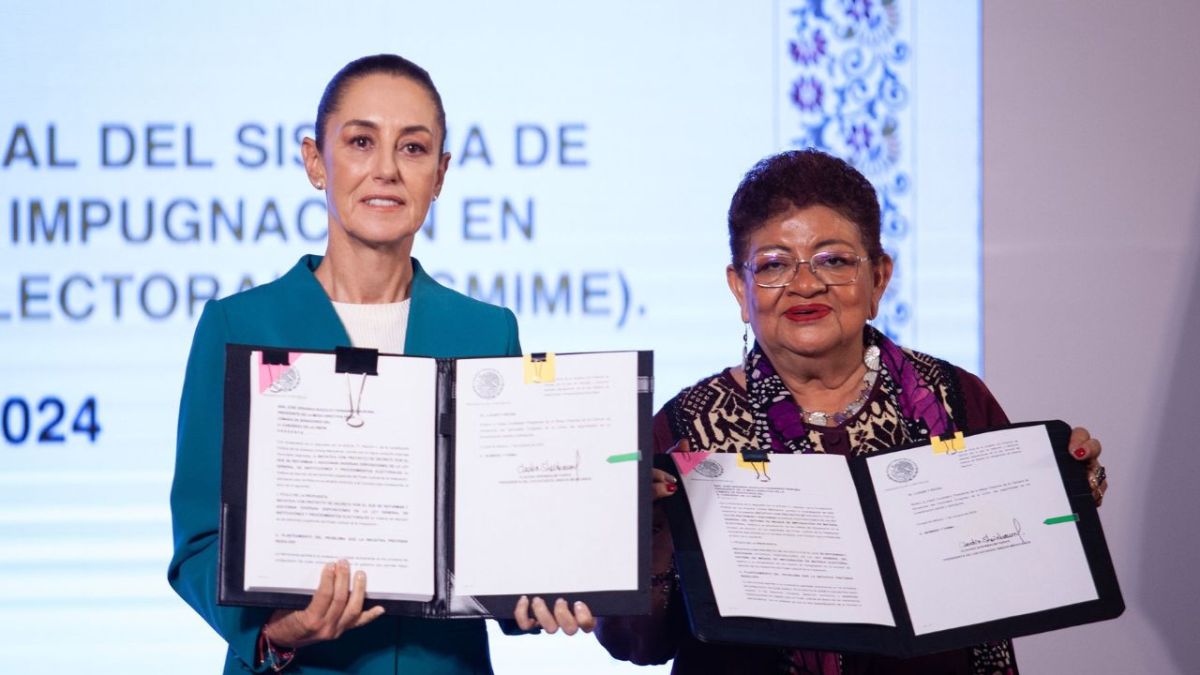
(915, 394)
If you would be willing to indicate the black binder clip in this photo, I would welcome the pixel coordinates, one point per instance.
(356, 360)
(276, 357)
(948, 443)
(539, 368)
(755, 457)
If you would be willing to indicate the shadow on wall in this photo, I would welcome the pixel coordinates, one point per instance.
(1169, 572)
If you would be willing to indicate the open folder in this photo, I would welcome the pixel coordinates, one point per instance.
(457, 485)
(913, 550)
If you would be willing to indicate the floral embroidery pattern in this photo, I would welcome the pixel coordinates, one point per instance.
(845, 65)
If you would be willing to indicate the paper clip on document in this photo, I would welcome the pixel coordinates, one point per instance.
(756, 460)
(539, 368)
(948, 444)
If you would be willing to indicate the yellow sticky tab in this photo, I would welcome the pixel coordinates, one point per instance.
(760, 468)
(948, 445)
(539, 368)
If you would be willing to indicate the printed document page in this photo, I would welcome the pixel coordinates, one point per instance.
(341, 466)
(784, 539)
(546, 487)
(981, 534)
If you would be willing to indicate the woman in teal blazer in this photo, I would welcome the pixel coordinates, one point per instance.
(379, 157)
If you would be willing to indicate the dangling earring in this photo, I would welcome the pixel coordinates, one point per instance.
(746, 347)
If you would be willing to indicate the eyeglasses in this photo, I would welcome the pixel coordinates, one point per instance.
(775, 270)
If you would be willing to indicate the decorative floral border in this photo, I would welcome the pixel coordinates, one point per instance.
(844, 75)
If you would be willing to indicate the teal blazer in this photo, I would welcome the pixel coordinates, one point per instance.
(294, 311)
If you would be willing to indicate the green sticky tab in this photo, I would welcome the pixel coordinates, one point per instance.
(627, 457)
(1062, 519)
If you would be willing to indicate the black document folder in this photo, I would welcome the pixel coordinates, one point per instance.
(708, 625)
(360, 365)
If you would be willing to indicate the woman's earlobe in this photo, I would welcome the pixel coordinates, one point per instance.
(738, 288)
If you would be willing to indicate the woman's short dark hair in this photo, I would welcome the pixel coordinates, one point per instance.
(799, 179)
(386, 64)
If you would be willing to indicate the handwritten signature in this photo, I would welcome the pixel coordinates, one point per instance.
(1012, 536)
(547, 466)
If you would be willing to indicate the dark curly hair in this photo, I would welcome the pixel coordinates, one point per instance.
(799, 179)
(386, 64)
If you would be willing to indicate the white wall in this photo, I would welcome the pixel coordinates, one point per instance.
(1091, 217)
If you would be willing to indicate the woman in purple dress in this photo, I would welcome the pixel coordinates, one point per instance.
(808, 271)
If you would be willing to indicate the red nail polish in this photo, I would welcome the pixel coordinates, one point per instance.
(1080, 452)
(671, 487)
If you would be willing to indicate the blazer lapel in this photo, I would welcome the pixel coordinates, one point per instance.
(421, 335)
(308, 310)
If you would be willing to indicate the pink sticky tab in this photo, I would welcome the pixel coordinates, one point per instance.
(268, 375)
(686, 461)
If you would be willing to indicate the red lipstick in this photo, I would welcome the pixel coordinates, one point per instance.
(804, 313)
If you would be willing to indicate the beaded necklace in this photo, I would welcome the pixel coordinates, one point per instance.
(780, 423)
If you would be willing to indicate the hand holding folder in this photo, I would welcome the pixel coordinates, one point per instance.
(908, 551)
(421, 473)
